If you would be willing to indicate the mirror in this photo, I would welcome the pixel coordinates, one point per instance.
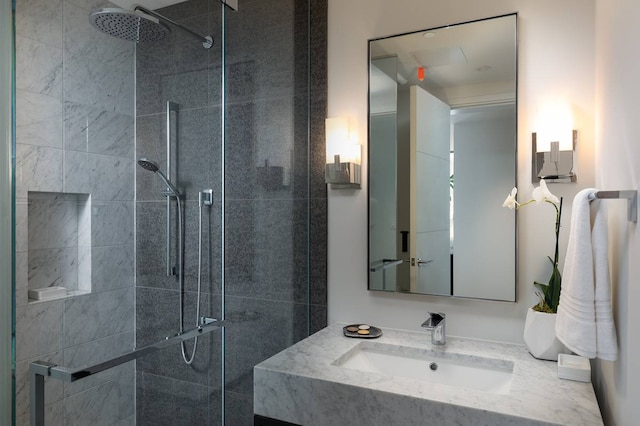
(442, 156)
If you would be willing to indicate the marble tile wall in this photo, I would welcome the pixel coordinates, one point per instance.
(275, 247)
(74, 136)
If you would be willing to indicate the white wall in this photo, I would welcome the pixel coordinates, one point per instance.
(556, 59)
(618, 167)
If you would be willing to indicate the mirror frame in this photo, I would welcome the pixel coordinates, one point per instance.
(516, 152)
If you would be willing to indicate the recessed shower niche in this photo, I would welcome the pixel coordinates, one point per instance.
(59, 245)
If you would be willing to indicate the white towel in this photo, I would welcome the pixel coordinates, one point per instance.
(585, 321)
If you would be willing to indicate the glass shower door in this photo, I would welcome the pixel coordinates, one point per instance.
(7, 218)
(274, 191)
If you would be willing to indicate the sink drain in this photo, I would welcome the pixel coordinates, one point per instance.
(433, 366)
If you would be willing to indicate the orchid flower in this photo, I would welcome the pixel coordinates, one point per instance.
(510, 201)
(550, 292)
(542, 193)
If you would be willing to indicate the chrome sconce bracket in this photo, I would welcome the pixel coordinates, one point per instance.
(554, 166)
(343, 175)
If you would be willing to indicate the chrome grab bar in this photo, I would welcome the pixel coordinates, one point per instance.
(38, 370)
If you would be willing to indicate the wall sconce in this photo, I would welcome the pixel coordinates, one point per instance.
(342, 169)
(554, 161)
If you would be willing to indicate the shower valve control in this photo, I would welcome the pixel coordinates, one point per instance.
(206, 197)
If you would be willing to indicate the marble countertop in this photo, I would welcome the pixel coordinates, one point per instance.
(300, 385)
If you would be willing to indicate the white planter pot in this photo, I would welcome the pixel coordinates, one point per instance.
(540, 336)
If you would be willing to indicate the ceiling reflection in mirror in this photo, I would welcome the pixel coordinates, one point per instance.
(442, 153)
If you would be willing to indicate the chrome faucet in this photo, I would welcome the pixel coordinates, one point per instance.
(436, 324)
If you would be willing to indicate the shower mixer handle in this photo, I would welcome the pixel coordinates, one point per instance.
(205, 197)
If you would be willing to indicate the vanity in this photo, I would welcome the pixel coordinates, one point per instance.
(330, 379)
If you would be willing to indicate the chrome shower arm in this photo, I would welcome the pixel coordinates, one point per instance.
(207, 41)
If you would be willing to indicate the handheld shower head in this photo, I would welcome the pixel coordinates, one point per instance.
(153, 167)
(148, 165)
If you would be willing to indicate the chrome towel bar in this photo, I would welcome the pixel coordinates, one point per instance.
(630, 195)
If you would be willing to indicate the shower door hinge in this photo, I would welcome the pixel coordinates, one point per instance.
(232, 4)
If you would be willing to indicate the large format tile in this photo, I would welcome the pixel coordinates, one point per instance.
(38, 67)
(267, 232)
(40, 20)
(53, 267)
(93, 130)
(112, 267)
(105, 177)
(53, 415)
(260, 134)
(104, 404)
(261, 328)
(164, 401)
(238, 409)
(158, 316)
(38, 329)
(108, 86)
(112, 223)
(97, 315)
(81, 38)
(38, 169)
(96, 351)
(53, 388)
(151, 257)
(38, 119)
(151, 144)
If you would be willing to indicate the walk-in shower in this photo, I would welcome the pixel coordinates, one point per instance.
(139, 25)
(243, 118)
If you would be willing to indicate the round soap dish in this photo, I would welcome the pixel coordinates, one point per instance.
(361, 331)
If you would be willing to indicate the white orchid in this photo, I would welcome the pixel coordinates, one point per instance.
(510, 201)
(542, 194)
(550, 293)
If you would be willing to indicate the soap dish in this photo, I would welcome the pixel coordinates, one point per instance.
(47, 293)
(361, 331)
(573, 367)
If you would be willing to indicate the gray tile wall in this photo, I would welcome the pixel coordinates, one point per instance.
(275, 248)
(75, 135)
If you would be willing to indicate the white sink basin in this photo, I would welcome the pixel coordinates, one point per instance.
(431, 366)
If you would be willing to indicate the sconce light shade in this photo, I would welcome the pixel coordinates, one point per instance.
(553, 161)
(342, 169)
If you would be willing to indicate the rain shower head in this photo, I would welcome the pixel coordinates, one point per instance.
(139, 24)
(128, 25)
(153, 167)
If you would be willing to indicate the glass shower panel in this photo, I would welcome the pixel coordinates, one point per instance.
(7, 215)
(180, 71)
(271, 187)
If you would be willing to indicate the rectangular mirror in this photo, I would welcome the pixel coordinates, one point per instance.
(442, 156)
